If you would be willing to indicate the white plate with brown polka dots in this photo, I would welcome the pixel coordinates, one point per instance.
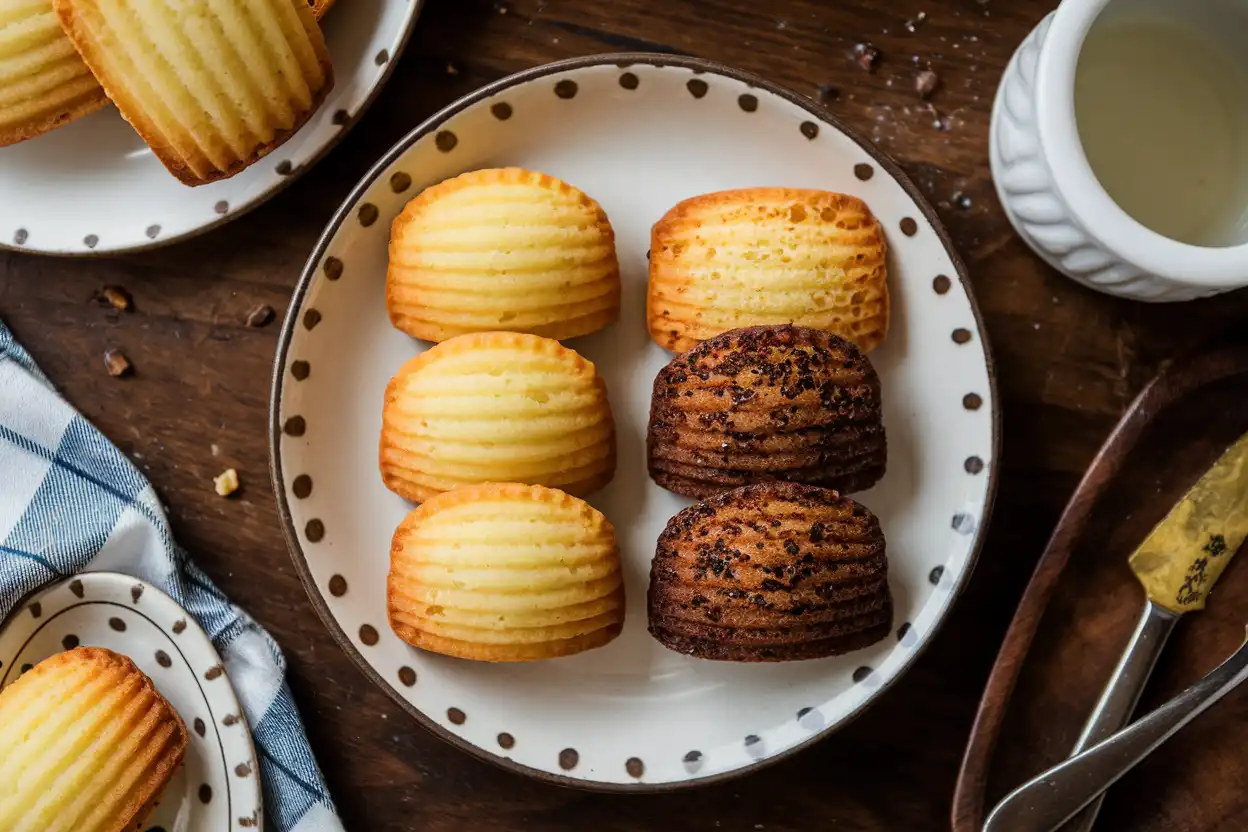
(93, 187)
(216, 789)
(638, 133)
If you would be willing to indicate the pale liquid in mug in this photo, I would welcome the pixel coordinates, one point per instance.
(1163, 116)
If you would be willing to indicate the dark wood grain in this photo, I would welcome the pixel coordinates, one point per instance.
(1069, 361)
(1082, 604)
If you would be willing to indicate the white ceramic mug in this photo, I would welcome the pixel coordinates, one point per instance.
(1048, 187)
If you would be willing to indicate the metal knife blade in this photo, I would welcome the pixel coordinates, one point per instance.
(1183, 557)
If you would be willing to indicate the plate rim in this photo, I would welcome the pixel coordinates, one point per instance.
(193, 626)
(438, 118)
(282, 183)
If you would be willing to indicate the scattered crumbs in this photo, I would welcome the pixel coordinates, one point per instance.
(867, 56)
(961, 201)
(926, 83)
(1036, 326)
(216, 449)
(502, 8)
(225, 483)
(913, 24)
(451, 69)
(116, 297)
(782, 24)
(117, 364)
(260, 315)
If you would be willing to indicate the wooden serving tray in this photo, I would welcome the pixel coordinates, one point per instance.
(1082, 603)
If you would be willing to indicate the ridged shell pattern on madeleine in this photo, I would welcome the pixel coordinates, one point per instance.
(767, 403)
(210, 85)
(43, 81)
(504, 573)
(86, 745)
(771, 572)
(496, 407)
(502, 249)
(767, 256)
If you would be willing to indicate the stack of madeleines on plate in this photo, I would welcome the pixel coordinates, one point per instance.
(211, 87)
(87, 744)
(773, 295)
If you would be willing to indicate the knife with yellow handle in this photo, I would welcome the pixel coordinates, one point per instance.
(1178, 564)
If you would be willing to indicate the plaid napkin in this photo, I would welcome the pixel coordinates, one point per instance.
(70, 502)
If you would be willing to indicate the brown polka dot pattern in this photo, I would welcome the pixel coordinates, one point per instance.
(367, 214)
(862, 673)
(337, 586)
(75, 586)
(242, 770)
(179, 626)
(501, 111)
(748, 102)
(21, 236)
(368, 635)
(863, 171)
(314, 531)
(568, 758)
(300, 370)
(222, 207)
(302, 486)
(407, 676)
(200, 727)
(935, 575)
(311, 318)
(909, 227)
(25, 668)
(36, 610)
(231, 720)
(697, 87)
(972, 401)
(629, 81)
(205, 794)
(214, 673)
(136, 592)
(91, 240)
(117, 625)
(70, 642)
(295, 426)
(162, 659)
(506, 741)
(284, 168)
(566, 89)
(341, 117)
(456, 716)
(400, 182)
(445, 141)
(902, 630)
(152, 232)
(382, 58)
(332, 267)
(635, 767)
(963, 523)
(809, 129)
(942, 284)
(973, 465)
(961, 336)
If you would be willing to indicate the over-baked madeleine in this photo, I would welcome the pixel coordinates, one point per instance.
(505, 572)
(86, 745)
(496, 407)
(502, 249)
(767, 256)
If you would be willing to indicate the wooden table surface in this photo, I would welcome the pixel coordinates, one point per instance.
(1068, 361)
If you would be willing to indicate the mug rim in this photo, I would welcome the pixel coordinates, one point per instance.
(1130, 240)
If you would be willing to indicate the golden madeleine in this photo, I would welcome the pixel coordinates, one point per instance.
(86, 745)
(505, 573)
(43, 81)
(502, 249)
(496, 407)
(763, 256)
(211, 85)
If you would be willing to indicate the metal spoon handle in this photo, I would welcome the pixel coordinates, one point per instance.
(1050, 799)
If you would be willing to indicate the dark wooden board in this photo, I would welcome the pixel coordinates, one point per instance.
(1069, 360)
(1082, 604)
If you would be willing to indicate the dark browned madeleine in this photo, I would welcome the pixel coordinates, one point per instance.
(771, 572)
(763, 404)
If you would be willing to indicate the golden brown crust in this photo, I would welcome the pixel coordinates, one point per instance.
(134, 747)
(504, 572)
(502, 248)
(770, 572)
(85, 106)
(761, 256)
(496, 406)
(763, 404)
(194, 168)
(319, 7)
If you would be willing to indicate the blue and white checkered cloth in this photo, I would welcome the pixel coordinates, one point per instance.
(71, 502)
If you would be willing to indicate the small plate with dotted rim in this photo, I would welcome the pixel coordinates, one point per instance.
(94, 188)
(638, 133)
(217, 788)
